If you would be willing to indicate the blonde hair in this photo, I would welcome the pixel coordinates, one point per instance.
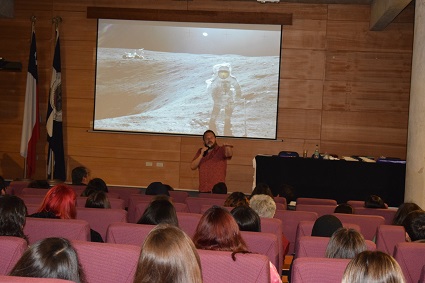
(168, 255)
(264, 205)
(373, 267)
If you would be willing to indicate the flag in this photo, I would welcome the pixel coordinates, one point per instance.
(31, 123)
(55, 153)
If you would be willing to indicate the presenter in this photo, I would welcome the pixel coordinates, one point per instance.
(211, 160)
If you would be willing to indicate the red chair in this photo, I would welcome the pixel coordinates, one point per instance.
(281, 200)
(32, 199)
(132, 202)
(320, 209)
(99, 219)
(128, 233)
(388, 213)
(18, 279)
(388, 236)
(16, 187)
(274, 226)
(32, 208)
(34, 191)
(208, 195)
(411, 258)
(316, 201)
(368, 223)
(194, 204)
(422, 278)
(11, 250)
(141, 207)
(310, 269)
(179, 196)
(356, 203)
(188, 222)
(290, 220)
(108, 263)
(71, 229)
(124, 192)
(116, 203)
(219, 266)
(263, 243)
(205, 207)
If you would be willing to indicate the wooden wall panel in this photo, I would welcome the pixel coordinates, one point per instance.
(299, 123)
(302, 94)
(302, 64)
(304, 34)
(363, 149)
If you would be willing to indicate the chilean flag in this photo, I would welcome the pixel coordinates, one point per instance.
(31, 122)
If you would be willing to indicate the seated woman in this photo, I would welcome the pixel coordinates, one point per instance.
(236, 199)
(261, 189)
(160, 210)
(59, 202)
(50, 258)
(374, 201)
(264, 205)
(414, 224)
(217, 230)
(98, 199)
(402, 211)
(168, 255)
(374, 266)
(12, 216)
(247, 218)
(156, 189)
(326, 225)
(94, 185)
(345, 243)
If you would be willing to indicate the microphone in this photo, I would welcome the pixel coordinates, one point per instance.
(206, 152)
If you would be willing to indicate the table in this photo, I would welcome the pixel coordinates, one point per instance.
(335, 179)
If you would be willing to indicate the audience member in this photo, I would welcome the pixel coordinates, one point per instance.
(98, 199)
(12, 216)
(288, 192)
(345, 243)
(261, 189)
(3, 186)
(159, 211)
(247, 218)
(236, 199)
(39, 184)
(414, 224)
(168, 187)
(80, 175)
(326, 225)
(373, 266)
(94, 185)
(168, 255)
(264, 205)
(374, 201)
(50, 258)
(217, 230)
(59, 202)
(344, 208)
(157, 188)
(219, 188)
(402, 211)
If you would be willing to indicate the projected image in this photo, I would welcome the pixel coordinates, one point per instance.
(184, 78)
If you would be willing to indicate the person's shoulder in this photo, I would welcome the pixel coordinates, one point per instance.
(43, 214)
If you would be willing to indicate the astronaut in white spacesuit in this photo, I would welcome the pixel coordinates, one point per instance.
(224, 90)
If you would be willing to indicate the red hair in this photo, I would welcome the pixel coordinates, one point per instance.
(60, 200)
(217, 230)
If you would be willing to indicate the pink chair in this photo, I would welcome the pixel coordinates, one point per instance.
(356, 203)
(205, 207)
(219, 266)
(71, 229)
(281, 200)
(18, 279)
(128, 233)
(388, 236)
(368, 223)
(32, 208)
(422, 278)
(309, 246)
(194, 204)
(34, 191)
(78, 188)
(116, 203)
(16, 187)
(106, 262)
(11, 250)
(274, 226)
(132, 202)
(32, 199)
(290, 220)
(141, 207)
(208, 195)
(316, 201)
(263, 243)
(99, 219)
(411, 258)
(179, 196)
(320, 209)
(124, 192)
(188, 222)
(388, 213)
(310, 269)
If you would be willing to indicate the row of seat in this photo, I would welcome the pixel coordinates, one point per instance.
(111, 263)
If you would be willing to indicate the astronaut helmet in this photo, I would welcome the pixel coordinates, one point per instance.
(222, 70)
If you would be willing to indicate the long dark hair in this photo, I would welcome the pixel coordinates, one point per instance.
(159, 211)
(12, 216)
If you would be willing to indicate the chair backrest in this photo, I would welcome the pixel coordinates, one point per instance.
(321, 201)
(368, 223)
(281, 200)
(356, 203)
(388, 213)
(141, 207)
(411, 258)
(78, 189)
(209, 195)
(205, 207)
(32, 199)
(219, 266)
(263, 243)
(310, 269)
(71, 229)
(11, 250)
(99, 218)
(116, 203)
(128, 233)
(124, 192)
(34, 191)
(309, 246)
(132, 202)
(32, 208)
(188, 222)
(18, 279)
(179, 196)
(422, 278)
(106, 262)
(16, 187)
(274, 226)
(320, 209)
(194, 204)
(388, 236)
(290, 220)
